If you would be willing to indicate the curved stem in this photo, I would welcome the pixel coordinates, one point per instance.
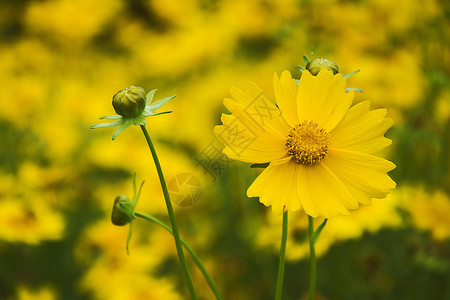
(280, 278)
(197, 260)
(176, 234)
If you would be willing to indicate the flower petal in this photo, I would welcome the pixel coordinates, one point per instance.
(247, 142)
(258, 106)
(276, 186)
(365, 175)
(286, 95)
(322, 193)
(323, 99)
(362, 130)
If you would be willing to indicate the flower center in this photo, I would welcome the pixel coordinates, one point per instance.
(307, 143)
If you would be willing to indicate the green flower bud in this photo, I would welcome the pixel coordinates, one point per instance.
(129, 102)
(122, 212)
(317, 64)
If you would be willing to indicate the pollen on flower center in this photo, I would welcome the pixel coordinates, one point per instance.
(307, 143)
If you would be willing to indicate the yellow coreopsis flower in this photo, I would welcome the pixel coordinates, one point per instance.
(321, 150)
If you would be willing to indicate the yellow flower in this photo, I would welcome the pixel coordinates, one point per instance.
(43, 293)
(322, 152)
(429, 210)
(29, 222)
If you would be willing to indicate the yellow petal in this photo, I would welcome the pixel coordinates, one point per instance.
(247, 142)
(322, 193)
(362, 130)
(257, 106)
(362, 173)
(323, 99)
(276, 187)
(286, 95)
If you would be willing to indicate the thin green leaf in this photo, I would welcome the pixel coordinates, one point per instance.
(129, 237)
(161, 113)
(264, 165)
(134, 189)
(149, 97)
(350, 74)
(316, 233)
(120, 129)
(111, 117)
(305, 59)
(111, 124)
(355, 89)
(138, 194)
(301, 69)
(158, 104)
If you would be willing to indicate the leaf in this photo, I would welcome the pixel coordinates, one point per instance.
(316, 234)
(264, 165)
(355, 89)
(158, 104)
(149, 97)
(111, 117)
(162, 113)
(129, 237)
(122, 127)
(350, 74)
(111, 124)
(305, 59)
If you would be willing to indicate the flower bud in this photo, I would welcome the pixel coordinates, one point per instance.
(129, 102)
(122, 212)
(317, 64)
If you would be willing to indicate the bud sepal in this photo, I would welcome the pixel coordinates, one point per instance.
(128, 104)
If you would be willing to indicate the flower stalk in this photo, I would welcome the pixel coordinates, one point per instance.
(171, 213)
(280, 278)
(313, 237)
(196, 259)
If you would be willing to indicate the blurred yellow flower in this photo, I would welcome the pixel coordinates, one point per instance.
(145, 288)
(321, 150)
(442, 109)
(29, 222)
(57, 17)
(429, 211)
(44, 293)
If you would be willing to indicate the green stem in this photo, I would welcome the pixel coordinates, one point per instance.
(312, 259)
(176, 234)
(281, 264)
(313, 237)
(197, 260)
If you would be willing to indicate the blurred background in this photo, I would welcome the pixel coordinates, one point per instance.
(61, 62)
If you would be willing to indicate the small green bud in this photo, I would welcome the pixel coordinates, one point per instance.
(317, 64)
(129, 102)
(122, 212)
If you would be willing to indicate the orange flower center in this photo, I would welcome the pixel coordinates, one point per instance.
(307, 143)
